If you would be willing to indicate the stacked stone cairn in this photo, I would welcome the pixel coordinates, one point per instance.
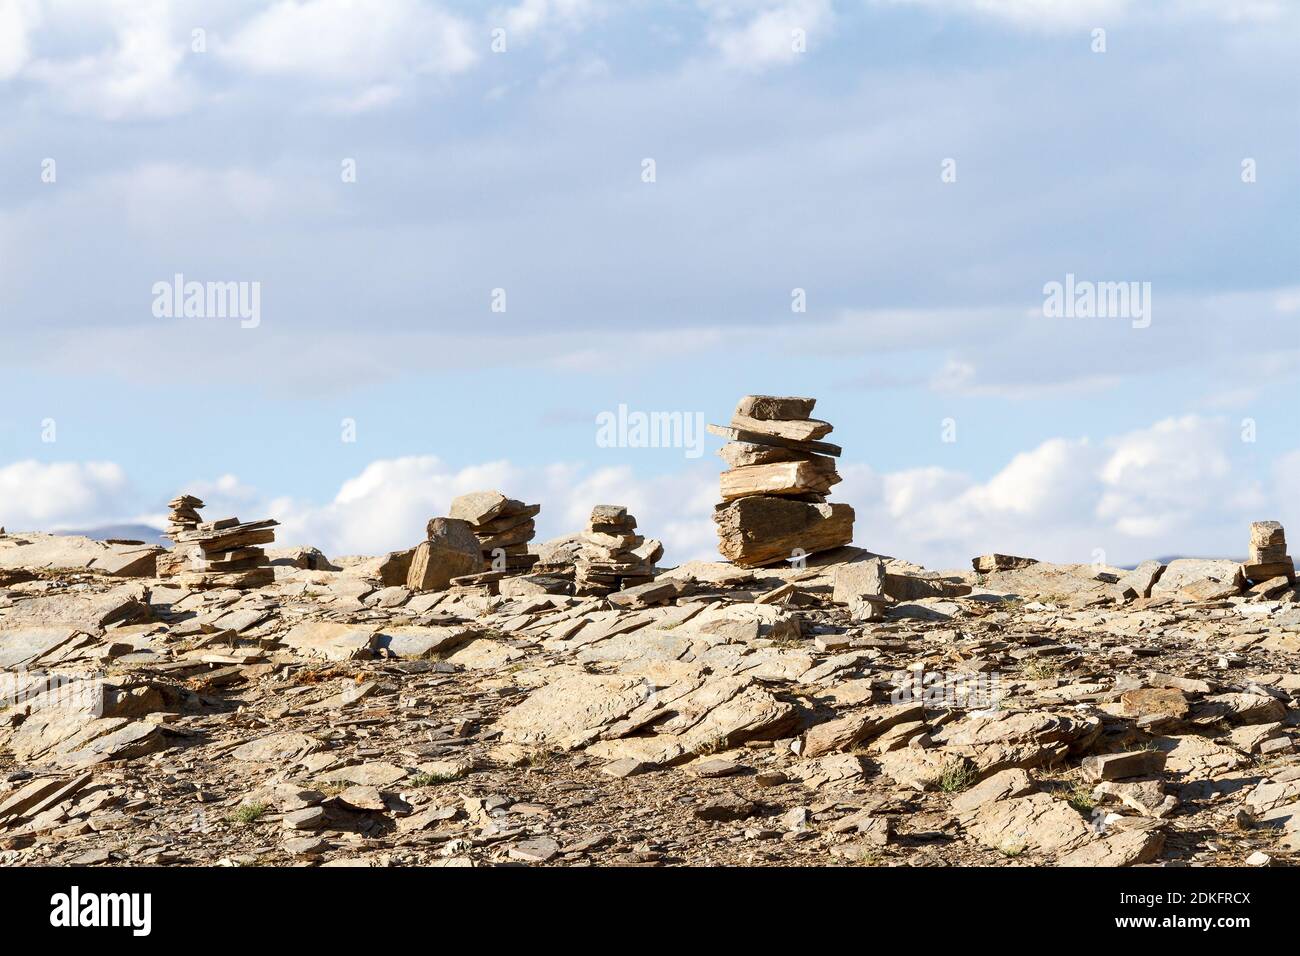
(503, 527)
(774, 492)
(612, 556)
(216, 554)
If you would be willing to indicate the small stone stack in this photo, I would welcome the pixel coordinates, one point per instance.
(184, 516)
(1268, 558)
(216, 554)
(612, 555)
(503, 527)
(774, 493)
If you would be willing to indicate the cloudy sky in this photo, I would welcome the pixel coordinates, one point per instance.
(389, 172)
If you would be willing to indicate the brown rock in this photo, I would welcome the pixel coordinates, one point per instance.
(774, 408)
(987, 563)
(759, 530)
(451, 551)
(1154, 702)
(1137, 763)
(780, 478)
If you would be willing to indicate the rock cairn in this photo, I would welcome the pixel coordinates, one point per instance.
(184, 516)
(1268, 558)
(612, 556)
(216, 554)
(503, 527)
(774, 492)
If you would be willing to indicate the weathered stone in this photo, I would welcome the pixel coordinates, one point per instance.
(804, 477)
(362, 798)
(919, 768)
(1004, 739)
(775, 408)
(859, 581)
(911, 587)
(537, 850)
(1154, 702)
(626, 767)
(279, 748)
(724, 808)
(377, 774)
(1137, 763)
(739, 454)
(395, 567)
(1126, 848)
(24, 646)
(853, 728)
(1036, 823)
(1198, 757)
(573, 711)
(988, 563)
(451, 550)
(1001, 786)
(335, 642)
(1186, 572)
(761, 530)
(1138, 582)
(1239, 709)
(308, 818)
(1146, 797)
(802, 430)
(415, 641)
(478, 507)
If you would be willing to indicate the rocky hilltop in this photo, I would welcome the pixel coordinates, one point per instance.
(856, 710)
(469, 701)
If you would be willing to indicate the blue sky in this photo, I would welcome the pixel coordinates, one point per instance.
(775, 170)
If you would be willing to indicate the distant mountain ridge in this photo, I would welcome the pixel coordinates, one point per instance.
(123, 532)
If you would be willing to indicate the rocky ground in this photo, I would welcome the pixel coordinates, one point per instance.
(1032, 716)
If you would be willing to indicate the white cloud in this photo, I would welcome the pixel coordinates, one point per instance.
(529, 18)
(1044, 14)
(137, 75)
(41, 496)
(1169, 488)
(17, 19)
(757, 34)
(1073, 14)
(365, 43)
(387, 505)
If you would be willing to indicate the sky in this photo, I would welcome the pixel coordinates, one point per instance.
(472, 230)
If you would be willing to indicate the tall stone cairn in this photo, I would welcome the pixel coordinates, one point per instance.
(184, 515)
(774, 492)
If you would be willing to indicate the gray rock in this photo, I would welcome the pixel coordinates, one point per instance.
(308, 818)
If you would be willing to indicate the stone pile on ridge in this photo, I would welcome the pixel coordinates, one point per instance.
(612, 555)
(1268, 558)
(503, 527)
(216, 554)
(184, 516)
(774, 492)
